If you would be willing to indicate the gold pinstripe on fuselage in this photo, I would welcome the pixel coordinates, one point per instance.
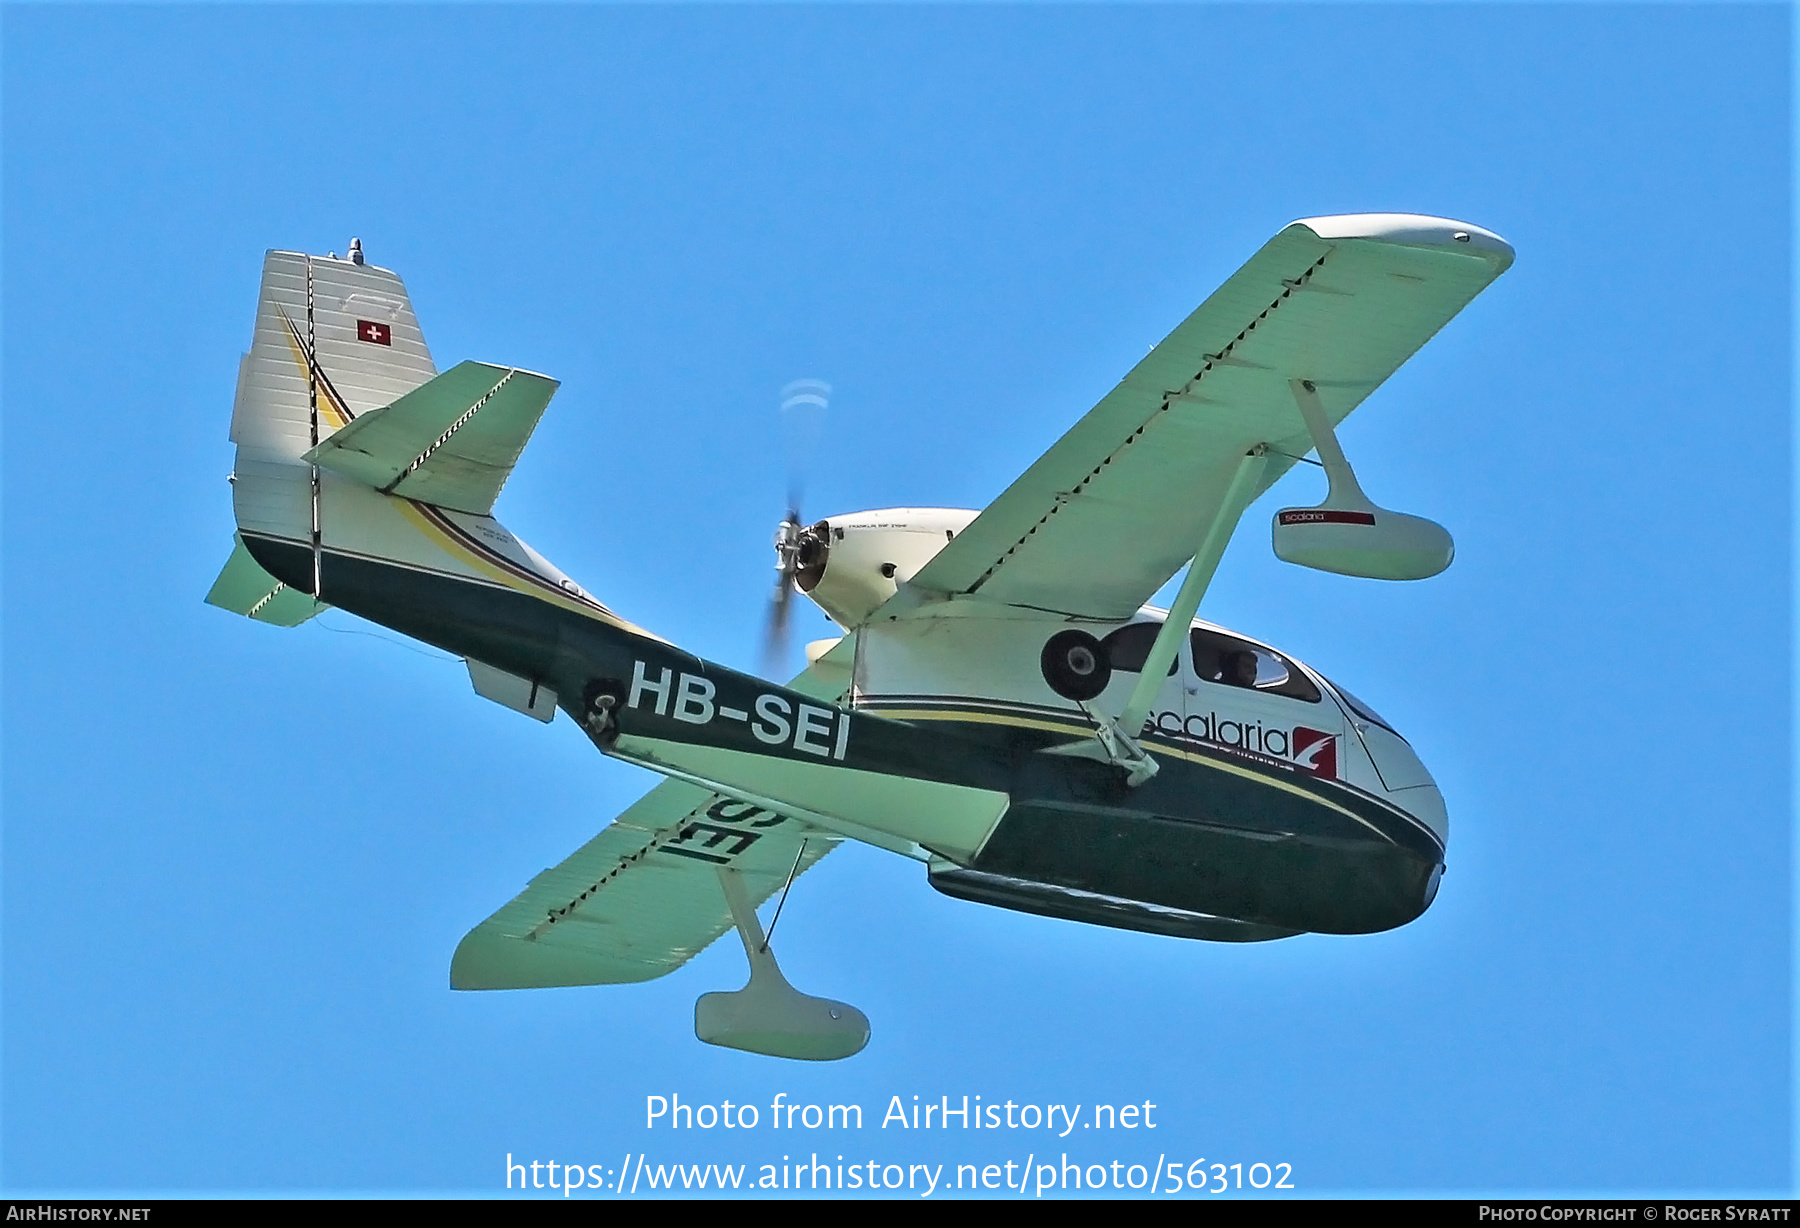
(1158, 745)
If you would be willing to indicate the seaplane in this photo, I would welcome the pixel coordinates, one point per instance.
(1002, 706)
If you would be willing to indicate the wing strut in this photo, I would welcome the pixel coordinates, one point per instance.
(1199, 576)
(1116, 741)
(1343, 481)
(782, 902)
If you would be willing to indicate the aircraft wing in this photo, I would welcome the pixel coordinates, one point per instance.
(1122, 501)
(642, 898)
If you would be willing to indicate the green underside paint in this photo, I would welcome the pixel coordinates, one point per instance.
(1215, 838)
(245, 588)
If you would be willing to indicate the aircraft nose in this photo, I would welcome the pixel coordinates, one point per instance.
(1395, 762)
(1432, 883)
(1425, 804)
(1403, 775)
(1404, 778)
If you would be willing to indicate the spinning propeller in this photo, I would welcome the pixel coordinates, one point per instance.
(800, 549)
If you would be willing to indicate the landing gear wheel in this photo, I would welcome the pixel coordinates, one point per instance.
(1075, 665)
(600, 703)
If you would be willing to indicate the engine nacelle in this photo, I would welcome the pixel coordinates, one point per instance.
(850, 565)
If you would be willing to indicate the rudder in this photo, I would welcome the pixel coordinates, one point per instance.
(334, 339)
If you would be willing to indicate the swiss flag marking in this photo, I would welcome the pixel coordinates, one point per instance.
(375, 334)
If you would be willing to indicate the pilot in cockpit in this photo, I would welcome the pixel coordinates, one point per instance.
(1239, 669)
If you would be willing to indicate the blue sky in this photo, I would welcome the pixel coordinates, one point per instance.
(237, 859)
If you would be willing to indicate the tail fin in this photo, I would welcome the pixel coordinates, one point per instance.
(334, 339)
(349, 443)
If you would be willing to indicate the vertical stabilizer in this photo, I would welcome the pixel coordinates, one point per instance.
(360, 470)
(334, 339)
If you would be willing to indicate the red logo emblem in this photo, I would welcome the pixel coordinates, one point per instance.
(375, 334)
(1315, 752)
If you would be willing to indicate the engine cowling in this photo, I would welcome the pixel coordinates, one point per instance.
(850, 565)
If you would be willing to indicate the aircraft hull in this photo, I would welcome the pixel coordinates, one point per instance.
(1214, 846)
(1289, 881)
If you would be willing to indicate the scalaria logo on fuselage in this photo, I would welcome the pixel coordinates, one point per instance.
(1311, 750)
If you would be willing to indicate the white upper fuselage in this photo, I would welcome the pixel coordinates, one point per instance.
(979, 661)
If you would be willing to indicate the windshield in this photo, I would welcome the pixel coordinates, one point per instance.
(1364, 711)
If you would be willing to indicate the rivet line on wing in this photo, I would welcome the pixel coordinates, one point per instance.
(1168, 401)
(625, 863)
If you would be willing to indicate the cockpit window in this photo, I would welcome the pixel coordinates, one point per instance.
(1129, 647)
(1227, 661)
(1364, 711)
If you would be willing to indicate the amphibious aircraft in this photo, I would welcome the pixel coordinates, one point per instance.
(1002, 706)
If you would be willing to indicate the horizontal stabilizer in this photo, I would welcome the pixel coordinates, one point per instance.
(245, 588)
(451, 442)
